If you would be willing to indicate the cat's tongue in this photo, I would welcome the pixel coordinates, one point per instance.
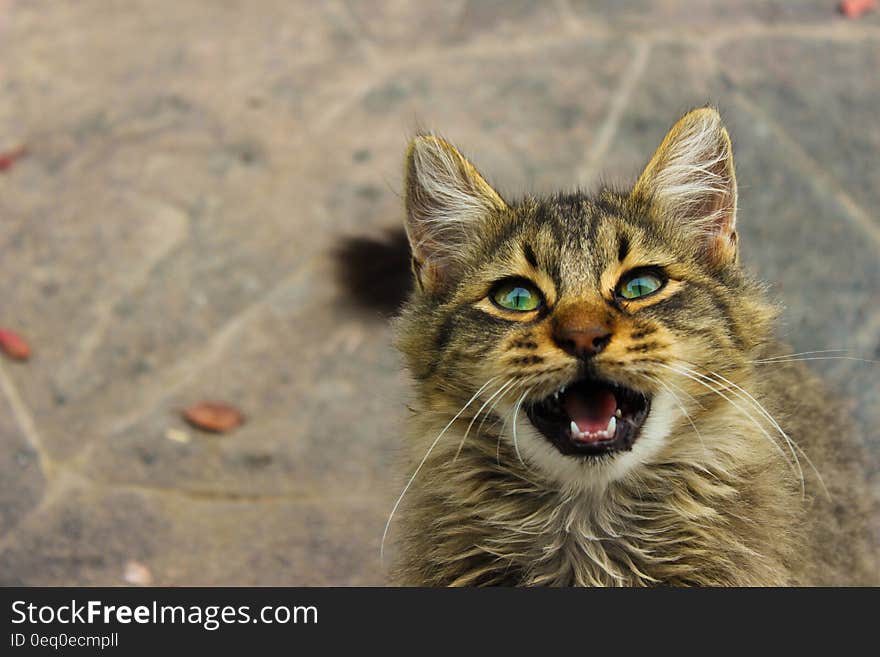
(591, 411)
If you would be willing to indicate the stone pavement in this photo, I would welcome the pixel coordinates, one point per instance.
(192, 163)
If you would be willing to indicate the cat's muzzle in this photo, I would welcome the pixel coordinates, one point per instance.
(590, 417)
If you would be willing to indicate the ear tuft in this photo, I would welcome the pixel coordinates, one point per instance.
(691, 179)
(447, 201)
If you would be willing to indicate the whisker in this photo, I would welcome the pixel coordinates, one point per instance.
(669, 384)
(689, 374)
(792, 444)
(517, 405)
(489, 413)
(683, 391)
(795, 360)
(522, 382)
(502, 388)
(801, 353)
(683, 410)
(422, 463)
(515, 441)
(754, 402)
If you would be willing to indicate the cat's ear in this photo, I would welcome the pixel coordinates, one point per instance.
(691, 178)
(447, 202)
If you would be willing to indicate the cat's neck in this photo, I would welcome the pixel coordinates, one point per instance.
(481, 515)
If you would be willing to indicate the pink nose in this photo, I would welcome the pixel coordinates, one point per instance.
(582, 341)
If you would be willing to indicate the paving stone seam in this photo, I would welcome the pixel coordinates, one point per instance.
(868, 334)
(190, 366)
(77, 481)
(208, 496)
(570, 20)
(609, 127)
(365, 39)
(811, 169)
(105, 304)
(55, 489)
(25, 421)
(389, 58)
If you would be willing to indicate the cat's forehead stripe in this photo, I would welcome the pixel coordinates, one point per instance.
(529, 254)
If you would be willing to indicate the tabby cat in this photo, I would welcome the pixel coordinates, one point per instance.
(593, 404)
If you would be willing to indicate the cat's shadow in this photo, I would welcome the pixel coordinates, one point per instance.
(374, 273)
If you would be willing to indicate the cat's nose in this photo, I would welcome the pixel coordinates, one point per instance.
(582, 341)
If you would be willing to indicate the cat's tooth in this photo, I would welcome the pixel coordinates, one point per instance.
(618, 414)
(575, 432)
(611, 429)
(562, 390)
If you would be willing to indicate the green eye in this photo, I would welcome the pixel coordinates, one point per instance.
(640, 285)
(520, 296)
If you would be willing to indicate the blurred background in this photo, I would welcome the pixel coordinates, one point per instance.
(177, 173)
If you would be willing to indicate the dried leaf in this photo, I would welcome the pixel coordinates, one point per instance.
(855, 8)
(216, 417)
(13, 345)
(10, 158)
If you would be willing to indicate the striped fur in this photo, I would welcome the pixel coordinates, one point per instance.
(711, 492)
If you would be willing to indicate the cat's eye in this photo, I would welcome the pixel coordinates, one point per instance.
(517, 295)
(640, 284)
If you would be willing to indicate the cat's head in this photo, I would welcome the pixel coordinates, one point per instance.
(578, 320)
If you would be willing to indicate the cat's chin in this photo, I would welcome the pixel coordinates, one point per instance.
(590, 417)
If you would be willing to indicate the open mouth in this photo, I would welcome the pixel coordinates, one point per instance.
(591, 417)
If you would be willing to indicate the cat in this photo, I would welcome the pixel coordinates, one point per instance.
(594, 400)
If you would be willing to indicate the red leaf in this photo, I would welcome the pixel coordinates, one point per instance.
(855, 8)
(216, 417)
(10, 158)
(13, 345)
